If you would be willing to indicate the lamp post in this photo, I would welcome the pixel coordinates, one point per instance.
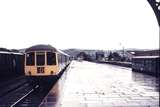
(123, 52)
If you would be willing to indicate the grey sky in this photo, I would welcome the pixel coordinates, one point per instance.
(85, 24)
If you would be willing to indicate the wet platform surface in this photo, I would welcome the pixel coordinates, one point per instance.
(87, 84)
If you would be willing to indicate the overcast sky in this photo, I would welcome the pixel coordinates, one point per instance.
(85, 24)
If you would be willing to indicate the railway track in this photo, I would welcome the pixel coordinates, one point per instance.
(25, 95)
(12, 96)
(8, 86)
(16, 103)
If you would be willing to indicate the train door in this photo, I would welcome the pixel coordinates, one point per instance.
(40, 62)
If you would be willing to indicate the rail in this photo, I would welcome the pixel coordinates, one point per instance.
(23, 97)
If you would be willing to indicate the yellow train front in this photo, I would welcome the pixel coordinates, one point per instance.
(44, 63)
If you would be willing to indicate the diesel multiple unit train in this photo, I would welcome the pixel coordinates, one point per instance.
(44, 62)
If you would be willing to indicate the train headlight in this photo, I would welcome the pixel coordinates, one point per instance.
(51, 72)
(29, 72)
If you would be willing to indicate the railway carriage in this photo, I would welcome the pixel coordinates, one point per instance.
(146, 64)
(44, 63)
(11, 64)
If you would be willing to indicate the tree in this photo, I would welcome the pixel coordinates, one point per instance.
(82, 55)
(116, 56)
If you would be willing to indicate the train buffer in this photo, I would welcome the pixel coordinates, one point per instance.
(87, 84)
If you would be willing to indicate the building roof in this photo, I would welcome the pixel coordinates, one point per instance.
(147, 57)
(15, 53)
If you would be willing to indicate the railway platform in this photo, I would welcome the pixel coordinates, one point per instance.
(87, 84)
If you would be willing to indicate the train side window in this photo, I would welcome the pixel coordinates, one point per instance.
(63, 59)
(51, 58)
(59, 59)
(40, 58)
(30, 58)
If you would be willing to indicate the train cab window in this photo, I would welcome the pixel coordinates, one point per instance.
(51, 58)
(40, 58)
(30, 58)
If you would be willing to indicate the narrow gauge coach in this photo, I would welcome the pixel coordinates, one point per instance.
(44, 63)
(147, 64)
(11, 64)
